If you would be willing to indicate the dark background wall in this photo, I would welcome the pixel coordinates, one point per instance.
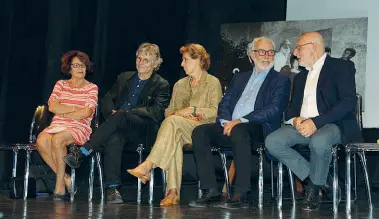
(35, 34)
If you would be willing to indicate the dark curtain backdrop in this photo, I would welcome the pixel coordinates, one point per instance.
(35, 34)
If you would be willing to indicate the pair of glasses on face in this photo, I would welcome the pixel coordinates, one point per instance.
(77, 65)
(262, 52)
(143, 61)
(299, 46)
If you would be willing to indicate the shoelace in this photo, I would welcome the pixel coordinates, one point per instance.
(114, 193)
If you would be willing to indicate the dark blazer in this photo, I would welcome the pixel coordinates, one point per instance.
(272, 100)
(153, 99)
(336, 98)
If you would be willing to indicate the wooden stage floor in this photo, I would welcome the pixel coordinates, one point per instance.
(46, 208)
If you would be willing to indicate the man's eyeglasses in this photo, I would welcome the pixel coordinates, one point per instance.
(76, 65)
(298, 46)
(262, 52)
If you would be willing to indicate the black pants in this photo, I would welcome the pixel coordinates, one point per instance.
(240, 140)
(118, 129)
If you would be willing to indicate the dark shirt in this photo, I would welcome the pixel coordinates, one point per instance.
(136, 87)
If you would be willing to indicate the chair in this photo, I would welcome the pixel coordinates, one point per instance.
(140, 149)
(40, 121)
(186, 148)
(151, 133)
(229, 176)
(360, 149)
(94, 158)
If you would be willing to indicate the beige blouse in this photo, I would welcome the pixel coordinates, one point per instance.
(205, 95)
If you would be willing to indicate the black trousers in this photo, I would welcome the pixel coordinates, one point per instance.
(119, 129)
(240, 140)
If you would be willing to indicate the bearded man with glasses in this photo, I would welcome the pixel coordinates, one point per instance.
(251, 109)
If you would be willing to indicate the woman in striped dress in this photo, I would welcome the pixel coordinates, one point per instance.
(73, 102)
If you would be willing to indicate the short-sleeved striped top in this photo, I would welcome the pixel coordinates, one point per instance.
(79, 97)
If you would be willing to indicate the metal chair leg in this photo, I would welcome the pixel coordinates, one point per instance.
(100, 171)
(280, 186)
(26, 177)
(260, 178)
(91, 178)
(272, 179)
(355, 176)
(139, 185)
(151, 186)
(199, 191)
(348, 180)
(72, 192)
(290, 177)
(223, 161)
(15, 156)
(335, 179)
(365, 172)
(163, 180)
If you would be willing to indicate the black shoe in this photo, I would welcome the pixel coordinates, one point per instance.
(238, 201)
(114, 196)
(328, 189)
(59, 197)
(74, 158)
(311, 202)
(209, 198)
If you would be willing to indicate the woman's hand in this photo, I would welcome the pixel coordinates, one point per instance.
(199, 113)
(195, 118)
(184, 112)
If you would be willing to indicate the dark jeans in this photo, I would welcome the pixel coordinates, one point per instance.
(118, 129)
(241, 140)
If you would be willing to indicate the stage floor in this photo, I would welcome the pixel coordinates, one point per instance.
(45, 207)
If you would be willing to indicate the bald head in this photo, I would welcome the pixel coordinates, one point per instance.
(316, 38)
(310, 47)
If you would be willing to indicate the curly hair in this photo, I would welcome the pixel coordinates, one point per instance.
(197, 51)
(70, 55)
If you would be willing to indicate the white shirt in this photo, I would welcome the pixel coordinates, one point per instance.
(309, 106)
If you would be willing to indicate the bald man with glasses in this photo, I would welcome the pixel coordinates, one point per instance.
(321, 114)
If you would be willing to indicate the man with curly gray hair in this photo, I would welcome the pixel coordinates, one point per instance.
(136, 101)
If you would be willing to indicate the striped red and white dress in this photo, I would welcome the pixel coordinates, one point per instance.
(80, 97)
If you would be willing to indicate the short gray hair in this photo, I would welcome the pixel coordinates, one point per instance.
(151, 49)
(251, 46)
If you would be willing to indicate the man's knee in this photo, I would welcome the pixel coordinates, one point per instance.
(199, 134)
(320, 145)
(200, 131)
(239, 132)
(274, 141)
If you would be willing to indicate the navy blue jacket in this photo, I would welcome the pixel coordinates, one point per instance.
(336, 98)
(272, 100)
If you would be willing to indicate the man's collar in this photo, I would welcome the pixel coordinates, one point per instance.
(264, 71)
(319, 63)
